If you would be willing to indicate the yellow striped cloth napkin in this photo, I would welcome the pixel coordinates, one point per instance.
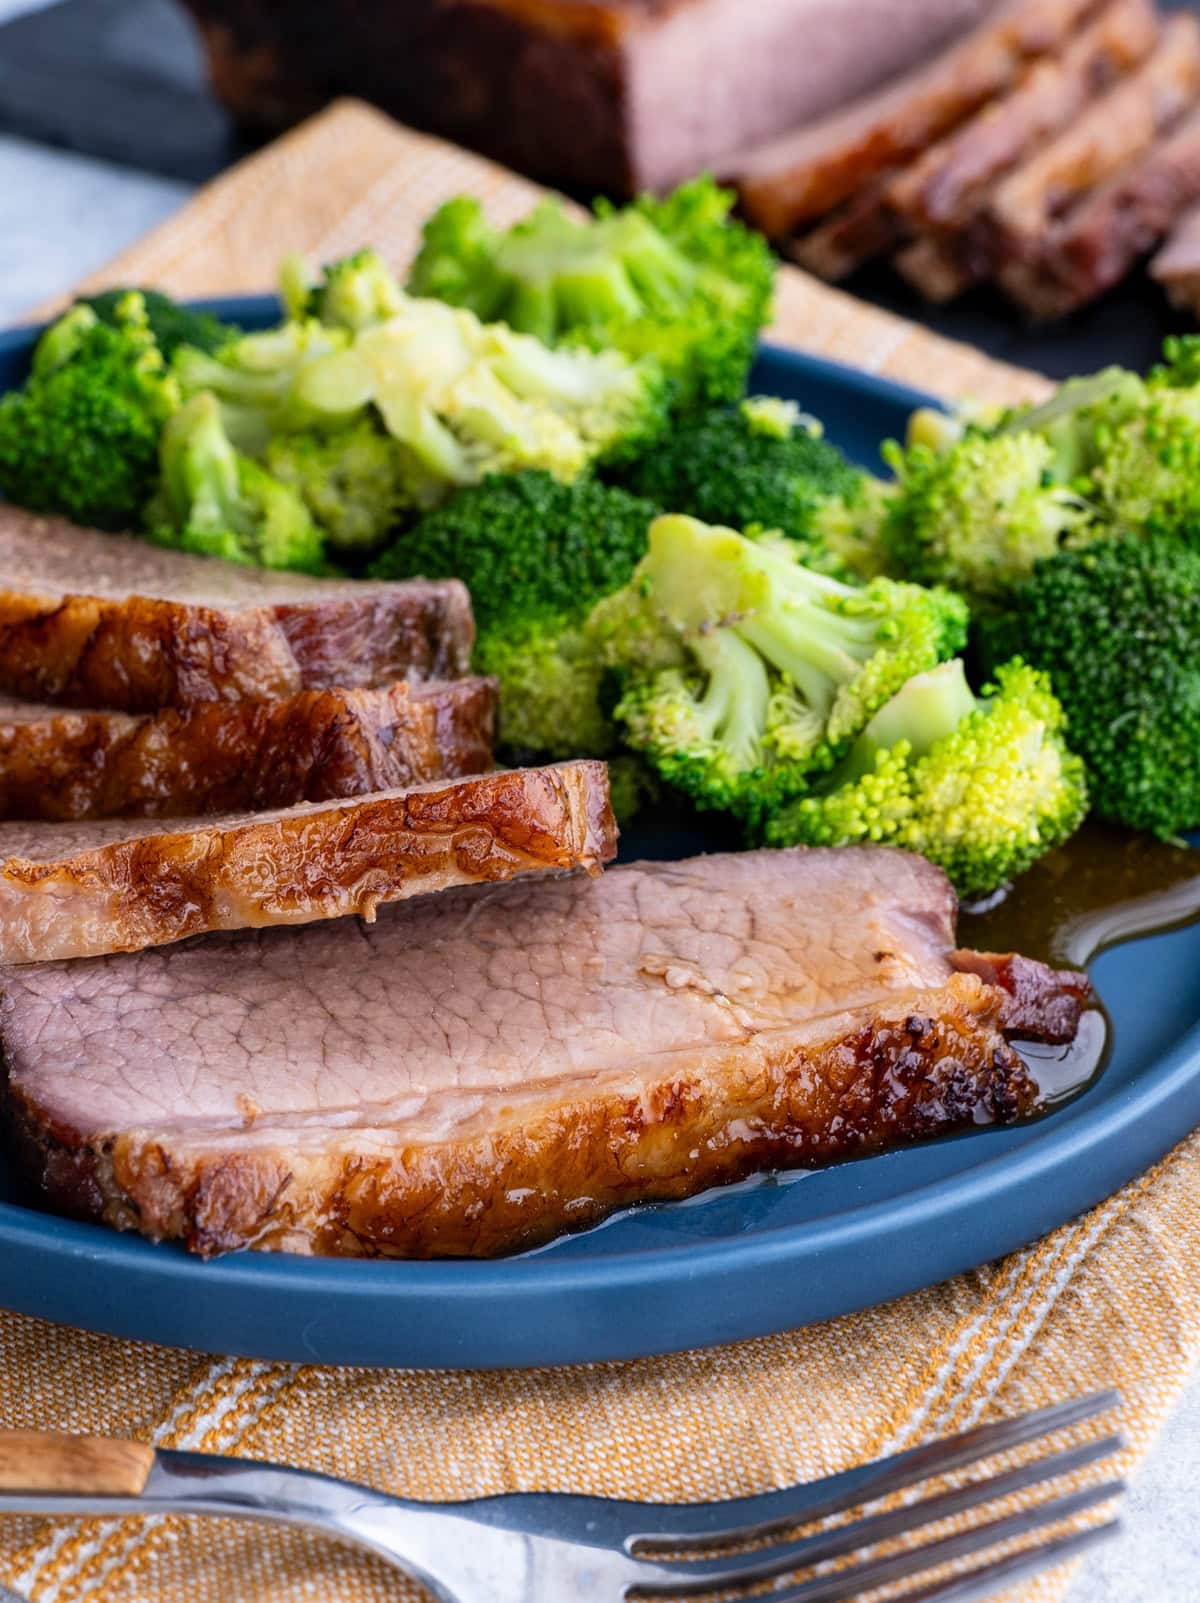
(1112, 1299)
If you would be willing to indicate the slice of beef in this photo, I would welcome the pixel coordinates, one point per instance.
(1010, 234)
(75, 890)
(616, 95)
(478, 1071)
(1177, 265)
(106, 620)
(937, 267)
(862, 228)
(943, 189)
(799, 177)
(1096, 244)
(233, 756)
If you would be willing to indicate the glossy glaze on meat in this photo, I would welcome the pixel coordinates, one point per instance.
(480, 1070)
(105, 620)
(118, 885)
(229, 756)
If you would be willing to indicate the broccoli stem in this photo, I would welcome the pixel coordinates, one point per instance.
(733, 709)
(929, 707)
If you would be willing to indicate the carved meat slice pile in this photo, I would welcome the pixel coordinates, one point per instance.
(1177, 265)
(104, 620)
(1045, 152)
(479, 1070)
(795, 179)
(229, 756)
(112, 885)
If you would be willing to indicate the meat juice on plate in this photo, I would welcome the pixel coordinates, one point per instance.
(1104, 886)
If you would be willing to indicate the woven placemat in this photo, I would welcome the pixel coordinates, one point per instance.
(1112, 1299)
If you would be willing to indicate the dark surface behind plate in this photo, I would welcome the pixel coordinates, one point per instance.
(764, 1256)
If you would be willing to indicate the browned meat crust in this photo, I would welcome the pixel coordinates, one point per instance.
(799, 177)
(76, 890)
(479, 1071)
(233, 756)
(1115, 130)
(871, 1084)
(1040, 1004)
(1177, 265)
(101, 620)
(861, 229)
(936, 266)
(1096, 244)
(597, 95)
(944, 188)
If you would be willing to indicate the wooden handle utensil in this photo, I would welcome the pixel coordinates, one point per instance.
(47, 1461)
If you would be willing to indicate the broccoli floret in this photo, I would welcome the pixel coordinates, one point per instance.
(171, 323)
(1117, 627)
(470, 398)
(352, 293)
(295, 377)
(781, 667)
(358, 483)
(980, 513)
(1147, 473)
(536, 555)
(81, 436)
(981, 787)
(675, 279)
(218, 503)
(760, 464)
(1077, 419)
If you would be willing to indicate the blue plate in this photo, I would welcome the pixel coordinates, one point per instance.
(752, 1259)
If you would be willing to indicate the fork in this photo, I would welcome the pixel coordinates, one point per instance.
(553, 1547)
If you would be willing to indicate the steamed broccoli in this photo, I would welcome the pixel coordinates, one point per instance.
(171, 323)
(981, 787)
(1147, 469)
(535, 554)
(357, 483)
(218, 503)
(294, 377)
(674, 279)
(776, 668)
(980, 512)
(81, 436)
(463, 397)
(1117, 628)
(759, 464)
(352, 293)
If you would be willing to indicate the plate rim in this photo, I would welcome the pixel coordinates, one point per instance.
(1159, 1110)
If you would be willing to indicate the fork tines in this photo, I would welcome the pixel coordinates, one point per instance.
(760, 1520)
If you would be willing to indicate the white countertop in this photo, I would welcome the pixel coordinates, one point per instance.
(61, 216)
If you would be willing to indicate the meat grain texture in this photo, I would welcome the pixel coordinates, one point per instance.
(483, 1069)
(232, 756)
(104, 620)
(112, 885)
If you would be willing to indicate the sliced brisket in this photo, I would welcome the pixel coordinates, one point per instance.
(480, 1070)
(233, 756)
(944, 188)
(797, 178)
(72, 890)
(1096, 244)
(105, 620)
(1177, 265)
(602, 94)
(1010, 236)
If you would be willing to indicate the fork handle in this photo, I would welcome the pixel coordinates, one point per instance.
(48, 1461)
